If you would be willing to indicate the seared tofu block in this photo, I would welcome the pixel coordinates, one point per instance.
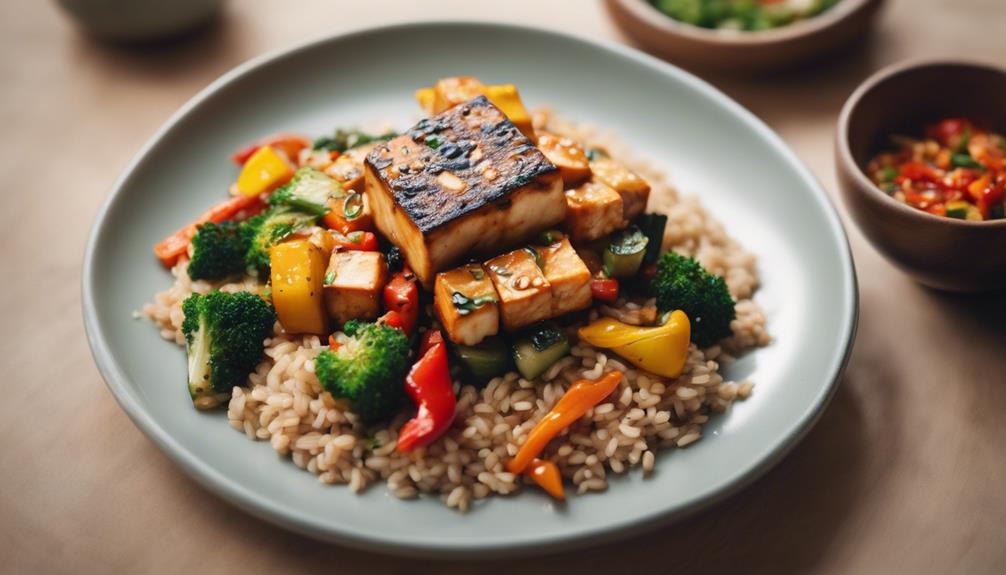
(449, 92)
(524, 293)
(347, 169)
(353, 285)
(635, 191)
(594, 210)
(567, 155)
(568, 275)
(465, 182)
(467, 304)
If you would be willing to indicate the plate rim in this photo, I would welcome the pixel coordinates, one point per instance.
(235, 493)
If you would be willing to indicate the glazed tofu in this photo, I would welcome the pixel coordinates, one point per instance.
(353, 284)
(465, 182)
(594, 210)
(635, 191)
(467, 304)
(449, 92)
(567, 155)
(525, 296)
(347, 169)
(568, 275)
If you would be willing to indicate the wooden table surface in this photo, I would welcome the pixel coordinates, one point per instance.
(903, 474)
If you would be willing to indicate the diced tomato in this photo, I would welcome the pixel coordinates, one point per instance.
(918, 171)
(947, 130)
(605, 290)
(402, 296)
(356, 241)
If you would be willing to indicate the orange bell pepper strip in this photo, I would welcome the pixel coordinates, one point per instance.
(579, 398)
(546, 475)
(172, 248)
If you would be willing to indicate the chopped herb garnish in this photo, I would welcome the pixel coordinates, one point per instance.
(964, 161)
(466, 305)
(352, 206)
(477, 273)
(329, 278)
(355, 237)
(595, 154)
(538, 260)
(500, 271)
(433, 141)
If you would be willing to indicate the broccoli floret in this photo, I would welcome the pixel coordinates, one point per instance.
(308, 191)
(223, 336)
(218, 251)
(682, 283)
(368, 370)
(267, 229)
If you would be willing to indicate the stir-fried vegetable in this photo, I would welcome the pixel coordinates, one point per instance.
(485, 360)
(625, 252)
(579, 398)
(309, 191)
(264, 171)
(661, 350)
(546, 475)
(172, 248)
(538, 349)
(343, 140)
(298, 270)
(682, 283)
(218, 251)
(748, 15)
(429, 385)
(223, 338)
(367, 369)
(402, 296)
(287, 144)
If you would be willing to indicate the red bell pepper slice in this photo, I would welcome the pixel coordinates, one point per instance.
(430, 387)
(173, 247)
(401, 295)
(605, 290)
(392, 319)
(356, 241)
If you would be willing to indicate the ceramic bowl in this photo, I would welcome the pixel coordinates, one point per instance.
(944, 253)
(744, 52)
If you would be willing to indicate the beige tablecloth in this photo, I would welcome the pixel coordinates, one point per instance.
(904, 473)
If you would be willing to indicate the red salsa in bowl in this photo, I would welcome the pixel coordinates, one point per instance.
(957, 169)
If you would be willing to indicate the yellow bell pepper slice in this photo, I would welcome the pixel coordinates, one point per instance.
(264, 171)
(425, 97)
(660, 350)
(503, 96)
(507, 99)
(298, 275)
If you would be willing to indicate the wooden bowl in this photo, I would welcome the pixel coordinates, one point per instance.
(739, 51)
(941, 252)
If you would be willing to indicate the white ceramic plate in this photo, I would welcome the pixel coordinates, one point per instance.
(708, 144)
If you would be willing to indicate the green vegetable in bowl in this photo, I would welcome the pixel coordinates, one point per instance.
(368, 370)
(747, 15)
(682, 283)
(223, 338)
(218, 251)
(625, 252)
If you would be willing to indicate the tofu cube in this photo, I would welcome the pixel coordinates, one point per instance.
(524, 293)
(467, 304)
(568, 275)
(635, 191)
(449, 92)
(347, 169)
(567, 155)
(353, 284)
(593, 210)
(465, 182)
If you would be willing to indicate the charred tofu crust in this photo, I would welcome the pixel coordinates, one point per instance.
(466, 304)
(447, 144)
(525, 295)
(465, 182)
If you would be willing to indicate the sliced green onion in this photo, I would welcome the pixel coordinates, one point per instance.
(352, 206)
